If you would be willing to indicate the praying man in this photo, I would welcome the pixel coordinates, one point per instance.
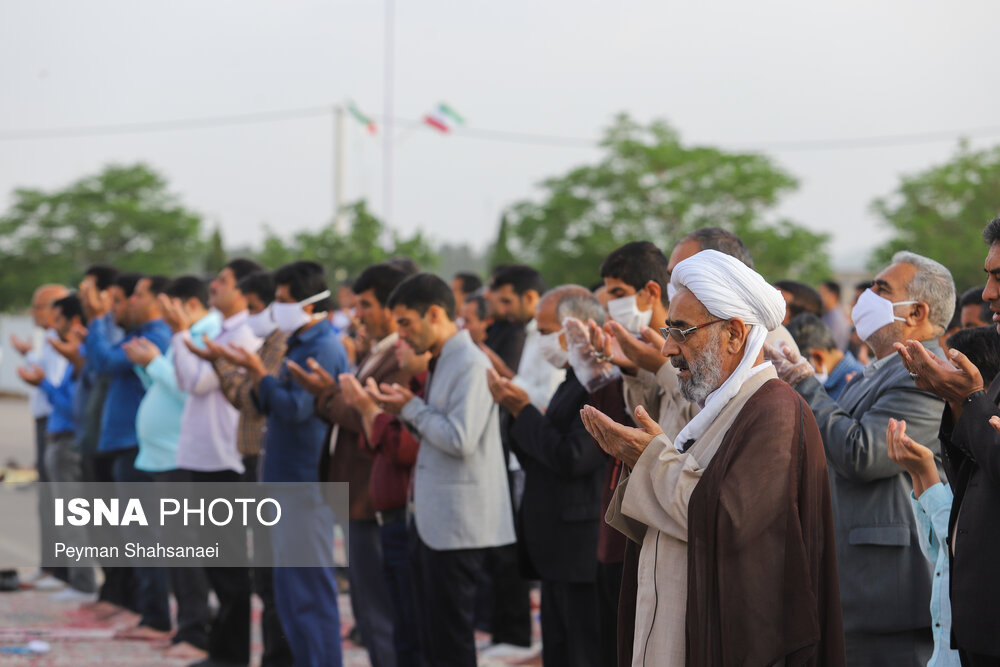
(737, 563)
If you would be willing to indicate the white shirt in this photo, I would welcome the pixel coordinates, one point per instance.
(535, 375)
(208, 424)
(54, 365)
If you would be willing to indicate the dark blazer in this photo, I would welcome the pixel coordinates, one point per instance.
(564, 470)
(351, 460)
(972, 455)
(885, 580)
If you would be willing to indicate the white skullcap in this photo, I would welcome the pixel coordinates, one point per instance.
(728, 289)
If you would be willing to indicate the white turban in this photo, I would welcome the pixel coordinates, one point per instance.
(729, 289)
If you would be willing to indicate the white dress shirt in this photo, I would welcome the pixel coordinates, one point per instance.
(208, 424)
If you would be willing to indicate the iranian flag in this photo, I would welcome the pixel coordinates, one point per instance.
(443, 118)
(361, 117)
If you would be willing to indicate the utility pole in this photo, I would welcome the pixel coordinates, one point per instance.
(387, 136)
(339, 151)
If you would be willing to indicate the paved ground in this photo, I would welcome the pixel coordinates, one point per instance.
(75, 637)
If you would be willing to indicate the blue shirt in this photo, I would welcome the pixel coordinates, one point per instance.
(125, 390)
(838, 379)
(295, 435)
(86, 380)
(60, 397)
(158, 421)
(932, 510)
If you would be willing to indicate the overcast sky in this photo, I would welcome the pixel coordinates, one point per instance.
(733, 73)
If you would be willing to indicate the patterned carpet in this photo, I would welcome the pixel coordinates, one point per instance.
(76, 638)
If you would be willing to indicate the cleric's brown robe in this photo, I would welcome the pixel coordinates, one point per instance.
(762, 570)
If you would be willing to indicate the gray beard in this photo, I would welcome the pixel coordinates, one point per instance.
(706, 373)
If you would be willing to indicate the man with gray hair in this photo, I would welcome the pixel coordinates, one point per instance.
(885, 581)
(559, 516)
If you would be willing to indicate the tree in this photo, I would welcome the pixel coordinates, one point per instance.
(648, 186)
(346, 255)
(940, 213)
(123, 216)
(501, 253)
(215, 258)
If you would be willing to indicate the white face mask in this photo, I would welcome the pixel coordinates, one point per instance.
(289, 317)
(872, 312)
(261, 324)
(548, 345)
(626, 312)
(822, 376)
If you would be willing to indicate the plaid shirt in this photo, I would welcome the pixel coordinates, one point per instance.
(236, 385)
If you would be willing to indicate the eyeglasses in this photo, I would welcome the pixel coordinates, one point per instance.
(680, 335)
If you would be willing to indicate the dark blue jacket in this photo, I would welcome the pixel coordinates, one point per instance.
(125, 390)
(295, 435)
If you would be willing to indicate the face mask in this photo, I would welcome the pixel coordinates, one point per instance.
(626, 312)
(822, 377)
(289, 317)
(872, 312)
(548, 345)
(261, 324)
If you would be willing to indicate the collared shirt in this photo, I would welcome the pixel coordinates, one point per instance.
(838, 379)
(375, 354)
(237, 386)
(535, 375)
(295, 435)
(54, 366)
(158, 422)
(932, 510)
(125, 390)
(208, 425)
(60, 396)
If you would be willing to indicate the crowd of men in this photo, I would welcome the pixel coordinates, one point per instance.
(694, 466)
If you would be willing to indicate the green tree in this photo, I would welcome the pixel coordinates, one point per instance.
(345, 255)
(123, 216)
(500, 253)
(648, 186)
(215, 258)
(940, 213)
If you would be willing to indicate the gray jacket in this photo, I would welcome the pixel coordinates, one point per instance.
(461, 498)
(885, 580)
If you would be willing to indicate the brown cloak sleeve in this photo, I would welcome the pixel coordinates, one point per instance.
(762, 570)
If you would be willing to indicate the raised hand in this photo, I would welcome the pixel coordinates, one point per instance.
(315, 380)
(173, 313)
(788, 364)
(622, 442)
(954, 382)
(22, 346)
(247, 359)
(140, 351)
(506, 393)
(390, 397)
(645, 353)
(33, 374)
(912, 457)
(209, 354)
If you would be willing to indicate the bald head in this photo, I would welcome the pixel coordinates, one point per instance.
(41, 303)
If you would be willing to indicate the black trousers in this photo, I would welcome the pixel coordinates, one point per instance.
(570, 636)
(190, 586)
(229, 639)
(445, 587)
(609, 586)
(977, 660)
(510, 621)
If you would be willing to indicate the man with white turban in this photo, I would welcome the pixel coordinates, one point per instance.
(737, 564)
